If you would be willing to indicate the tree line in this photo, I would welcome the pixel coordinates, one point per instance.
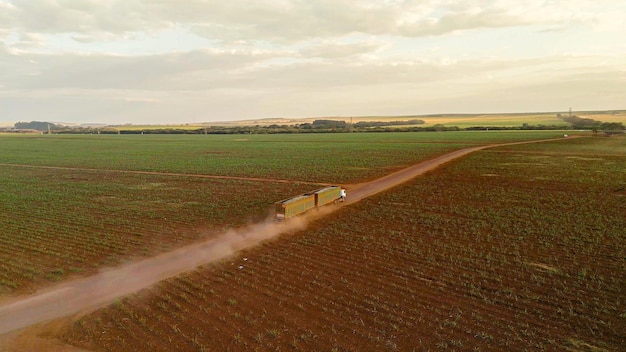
(583, 123)
(321, 126)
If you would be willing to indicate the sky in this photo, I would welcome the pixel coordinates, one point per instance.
(193, 61)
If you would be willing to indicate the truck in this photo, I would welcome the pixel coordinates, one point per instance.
(293, 206)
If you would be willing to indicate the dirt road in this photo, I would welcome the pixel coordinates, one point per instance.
(364, 190)
(91, 292)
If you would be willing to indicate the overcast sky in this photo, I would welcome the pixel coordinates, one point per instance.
(178, 61)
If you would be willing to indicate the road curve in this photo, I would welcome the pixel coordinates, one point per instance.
(101, 289)
(364, 190)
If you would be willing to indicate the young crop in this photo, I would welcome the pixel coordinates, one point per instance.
(458, 259)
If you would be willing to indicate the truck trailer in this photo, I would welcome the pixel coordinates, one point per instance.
(293, 206)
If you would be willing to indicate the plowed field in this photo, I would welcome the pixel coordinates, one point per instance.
(512, 248)
(71, 205)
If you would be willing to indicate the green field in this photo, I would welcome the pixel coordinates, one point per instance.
(513, 248)
(87, 213)
(509, 248)
(326, 158)
(497, 120)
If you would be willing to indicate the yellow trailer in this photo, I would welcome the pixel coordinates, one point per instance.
(294, 206)
(327, 195)
(297, 205)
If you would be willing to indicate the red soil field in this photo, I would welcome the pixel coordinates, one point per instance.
(444, 262)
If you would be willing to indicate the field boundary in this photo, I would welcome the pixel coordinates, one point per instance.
(161, 173)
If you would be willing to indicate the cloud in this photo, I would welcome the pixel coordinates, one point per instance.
(26, 41)
(339, 50)
(471, 15)
(200, 69)
(202, 59)
(292, 21)
(140, 100)
(285, 20)
(316, 89)
(88, 16)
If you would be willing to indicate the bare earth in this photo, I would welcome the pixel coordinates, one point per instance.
(89, 293)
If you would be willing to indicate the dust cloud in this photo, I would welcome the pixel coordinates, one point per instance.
(103, 288)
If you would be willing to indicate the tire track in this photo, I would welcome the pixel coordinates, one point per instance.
(160, 173)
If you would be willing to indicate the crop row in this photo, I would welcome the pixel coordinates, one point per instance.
(473, 256)
(59, 222)
(328, 158)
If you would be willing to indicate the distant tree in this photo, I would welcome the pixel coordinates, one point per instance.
(365, 124)
(581, 122)
(38, 125)
(329, 124)
(612, 126)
